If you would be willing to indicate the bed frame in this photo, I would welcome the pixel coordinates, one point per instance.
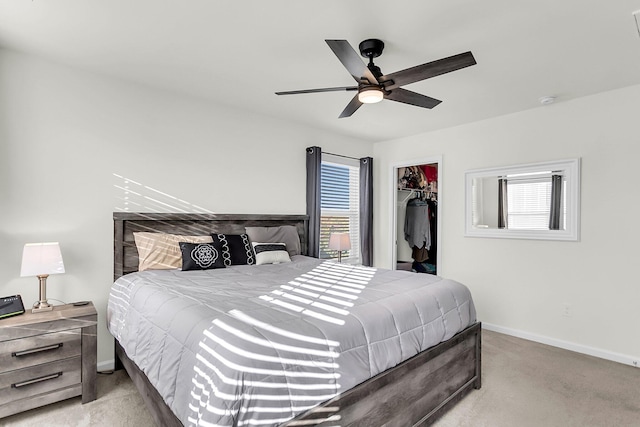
(414, 393)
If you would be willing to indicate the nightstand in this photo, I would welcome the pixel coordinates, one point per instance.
(46, 357)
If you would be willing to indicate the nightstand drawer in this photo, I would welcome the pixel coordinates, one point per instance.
(21, 353)
(38, 379)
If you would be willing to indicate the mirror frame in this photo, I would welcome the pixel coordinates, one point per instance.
(570, 167)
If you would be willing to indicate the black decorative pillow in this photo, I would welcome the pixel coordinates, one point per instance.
(236, 249)
(201, 256)
(271, 253)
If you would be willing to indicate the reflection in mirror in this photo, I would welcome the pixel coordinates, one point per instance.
(535, 201)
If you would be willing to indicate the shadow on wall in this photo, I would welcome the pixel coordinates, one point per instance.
(132, 196)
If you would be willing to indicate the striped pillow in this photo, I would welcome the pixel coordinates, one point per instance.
(270, 253)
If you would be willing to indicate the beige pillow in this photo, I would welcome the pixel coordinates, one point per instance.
(160, 251)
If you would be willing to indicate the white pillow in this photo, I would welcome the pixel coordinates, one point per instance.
(270, 253)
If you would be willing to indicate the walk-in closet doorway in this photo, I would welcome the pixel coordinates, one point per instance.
(416, 212)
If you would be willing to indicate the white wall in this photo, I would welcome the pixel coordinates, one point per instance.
(521, 285)
(64, 133)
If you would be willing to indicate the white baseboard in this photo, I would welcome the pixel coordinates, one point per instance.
(578, 348)
(107, 365)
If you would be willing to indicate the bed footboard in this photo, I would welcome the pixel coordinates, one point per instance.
(414, 393)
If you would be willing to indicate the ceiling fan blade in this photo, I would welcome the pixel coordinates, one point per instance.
(351, 107)
(351, 60)
(326, 89)
(428, 70)
(412, 98)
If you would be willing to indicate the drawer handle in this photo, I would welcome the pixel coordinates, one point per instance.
(36, 350)
(37, 380)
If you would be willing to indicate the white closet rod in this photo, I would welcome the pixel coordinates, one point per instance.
(411, 193)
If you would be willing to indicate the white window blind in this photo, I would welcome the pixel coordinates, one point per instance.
(340, 205)
(529, 203)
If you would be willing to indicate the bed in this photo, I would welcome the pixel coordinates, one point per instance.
(399, 380)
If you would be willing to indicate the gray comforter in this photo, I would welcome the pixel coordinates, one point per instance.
(257, 345)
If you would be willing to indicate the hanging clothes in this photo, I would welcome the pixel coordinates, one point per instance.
(417, 228)
(420, 254)
(411, 177)
(433, 226)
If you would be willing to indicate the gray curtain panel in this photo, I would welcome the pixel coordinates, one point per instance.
(314, 161)
(555, 215)
(366, 210)
(502, 203)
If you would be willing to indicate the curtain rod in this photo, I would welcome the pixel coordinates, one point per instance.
(340, 155)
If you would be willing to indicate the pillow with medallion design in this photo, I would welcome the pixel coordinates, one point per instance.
(201, 256)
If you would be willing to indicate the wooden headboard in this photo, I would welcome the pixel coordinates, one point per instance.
(125, 256)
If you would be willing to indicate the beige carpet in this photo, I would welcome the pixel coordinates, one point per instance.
(524, 384)
(118, 405)
(530, 384)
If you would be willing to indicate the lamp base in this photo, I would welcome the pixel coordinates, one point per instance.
(41, 306)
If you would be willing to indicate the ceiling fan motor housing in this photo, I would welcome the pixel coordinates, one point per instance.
(371, 48)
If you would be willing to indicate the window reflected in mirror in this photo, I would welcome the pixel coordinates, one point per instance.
(537, 201)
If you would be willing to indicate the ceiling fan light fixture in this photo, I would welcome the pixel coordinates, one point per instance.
(370, 95)
(373, 85)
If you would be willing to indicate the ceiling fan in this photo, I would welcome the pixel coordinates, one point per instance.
(373, 86)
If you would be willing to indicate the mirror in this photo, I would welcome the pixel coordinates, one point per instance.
(532, 201)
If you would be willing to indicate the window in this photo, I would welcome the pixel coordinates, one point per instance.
(529, 202)
(339, 205)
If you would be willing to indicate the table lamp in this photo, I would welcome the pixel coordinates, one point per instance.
(41, 260)
(340, 242)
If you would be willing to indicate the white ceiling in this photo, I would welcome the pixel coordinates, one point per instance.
(238, 53)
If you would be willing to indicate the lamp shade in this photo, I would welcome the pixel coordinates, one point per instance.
(41, 258)
(370, 95)
(340, 241)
